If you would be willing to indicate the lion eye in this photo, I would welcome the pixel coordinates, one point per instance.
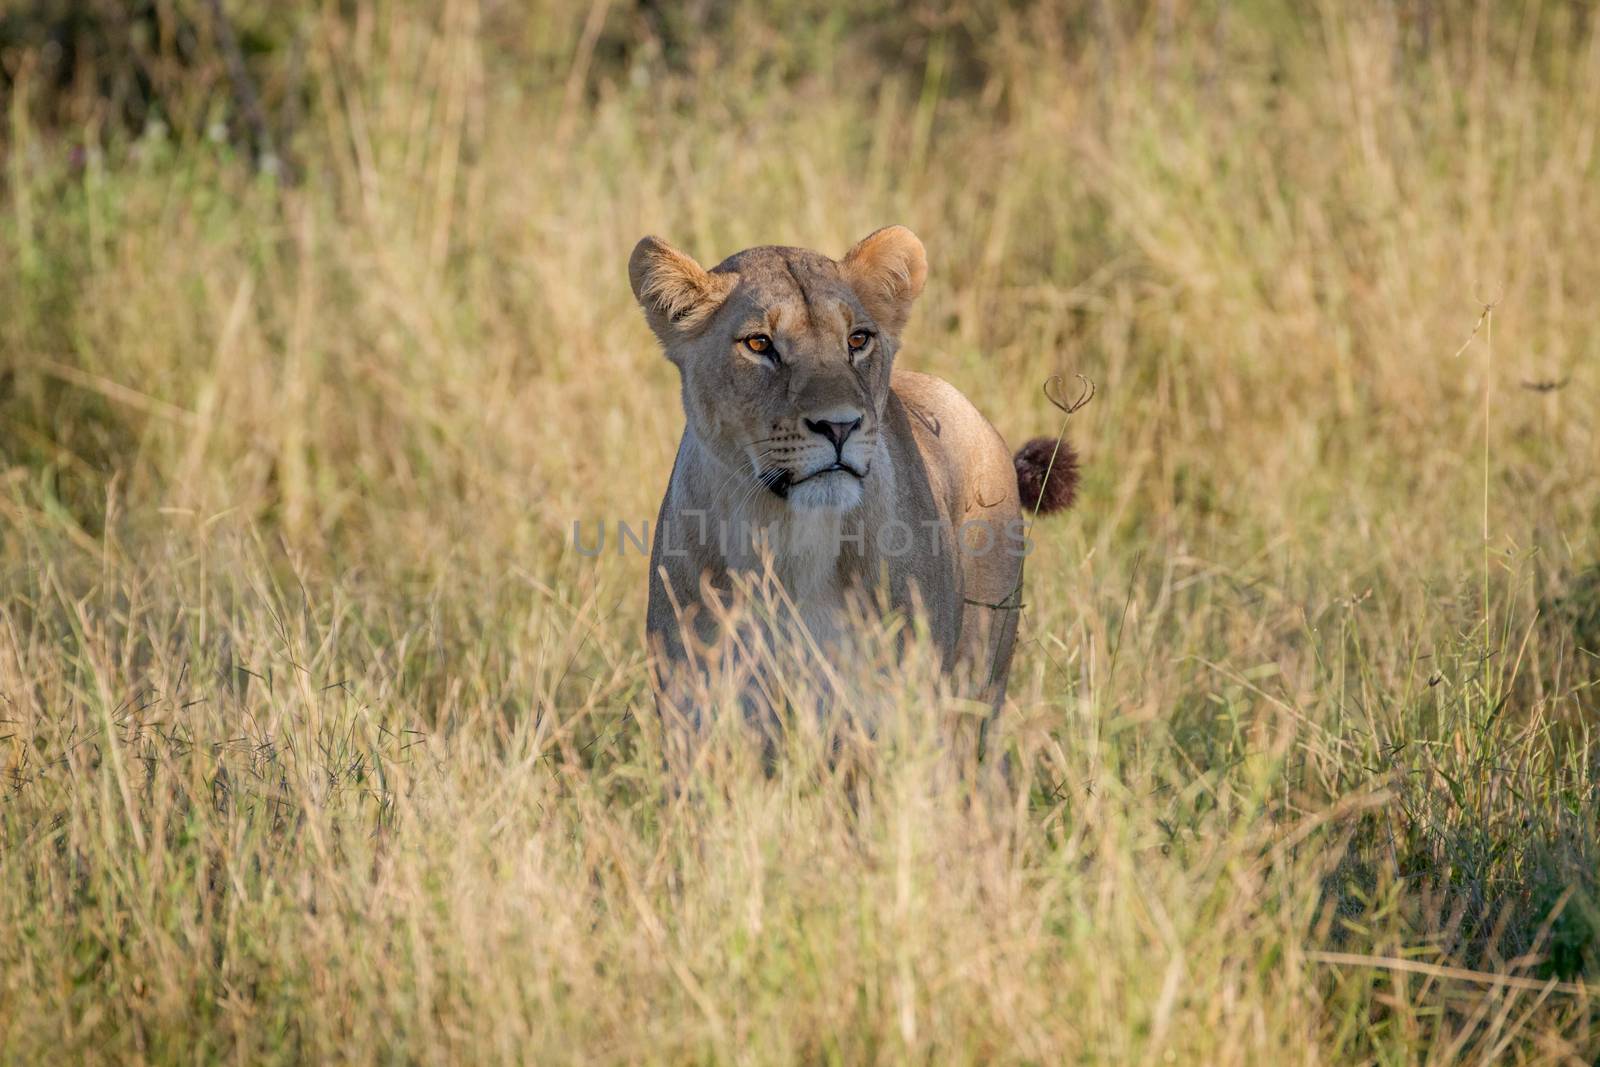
(759, 343)
(859, 339)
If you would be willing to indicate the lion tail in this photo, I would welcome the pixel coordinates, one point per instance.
(1047, 475)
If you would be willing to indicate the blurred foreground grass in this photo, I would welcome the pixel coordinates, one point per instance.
(318, 740)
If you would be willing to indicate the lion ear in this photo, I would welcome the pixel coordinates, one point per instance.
(887, 269)
(677, 294)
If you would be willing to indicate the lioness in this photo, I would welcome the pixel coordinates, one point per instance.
(857, 476)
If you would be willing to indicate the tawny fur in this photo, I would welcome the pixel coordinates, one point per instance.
(756, 449)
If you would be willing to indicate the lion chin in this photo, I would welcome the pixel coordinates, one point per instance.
(836, 491)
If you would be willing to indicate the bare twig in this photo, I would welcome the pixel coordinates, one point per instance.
(1052, 392)
(244, 89)
(1461, 974)
(578, 73)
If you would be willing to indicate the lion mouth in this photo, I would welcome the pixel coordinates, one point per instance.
(780, 481)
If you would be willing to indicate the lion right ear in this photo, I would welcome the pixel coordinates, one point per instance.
(677, 294)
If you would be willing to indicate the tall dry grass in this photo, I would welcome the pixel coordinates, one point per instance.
(319, 740)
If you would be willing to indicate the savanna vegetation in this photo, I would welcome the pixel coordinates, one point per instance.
(319, 740)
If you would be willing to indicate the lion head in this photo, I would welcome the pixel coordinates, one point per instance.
(785, 357)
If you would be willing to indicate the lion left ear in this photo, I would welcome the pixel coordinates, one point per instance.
(887, 269)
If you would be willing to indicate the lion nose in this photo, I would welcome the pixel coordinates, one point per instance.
(835, 432)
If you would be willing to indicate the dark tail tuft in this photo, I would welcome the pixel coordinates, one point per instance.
(1043, 485)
